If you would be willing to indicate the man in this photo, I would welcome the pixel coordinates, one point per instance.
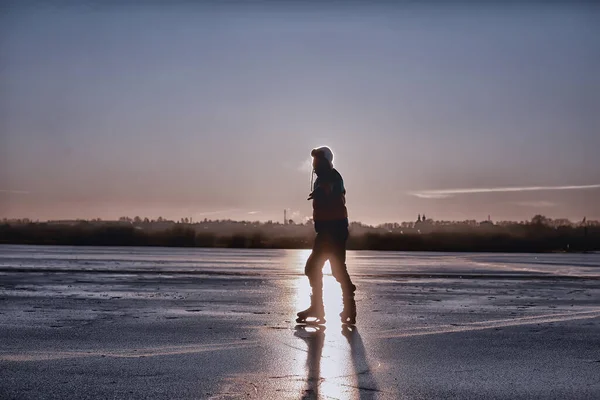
(330, 218)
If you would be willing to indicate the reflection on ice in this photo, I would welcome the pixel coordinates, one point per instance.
(335, 367)
(314, 337)
(336, 364)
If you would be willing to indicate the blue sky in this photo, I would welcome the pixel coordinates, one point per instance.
(186, 110)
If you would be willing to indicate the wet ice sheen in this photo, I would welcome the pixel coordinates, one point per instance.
(80, 322)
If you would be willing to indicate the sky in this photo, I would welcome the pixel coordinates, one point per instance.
(210, 111)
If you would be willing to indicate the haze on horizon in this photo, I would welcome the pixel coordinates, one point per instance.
(458, 112)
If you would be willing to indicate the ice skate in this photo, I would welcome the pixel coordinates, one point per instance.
(315, 314)
(348, 314)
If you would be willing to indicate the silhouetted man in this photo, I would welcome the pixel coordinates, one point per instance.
(330, 218)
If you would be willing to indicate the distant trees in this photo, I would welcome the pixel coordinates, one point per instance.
(538, 234)
(407, 226)
(539, 220)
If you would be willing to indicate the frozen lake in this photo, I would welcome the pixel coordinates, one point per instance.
(80, 322)
(288, 262)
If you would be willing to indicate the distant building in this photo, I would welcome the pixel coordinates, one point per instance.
(421, 219)
(487, 222)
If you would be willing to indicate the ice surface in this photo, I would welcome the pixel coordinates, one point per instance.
(79, 322)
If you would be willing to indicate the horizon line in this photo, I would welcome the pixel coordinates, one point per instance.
(220, 220)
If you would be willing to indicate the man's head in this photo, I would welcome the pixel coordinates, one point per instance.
(322, 159)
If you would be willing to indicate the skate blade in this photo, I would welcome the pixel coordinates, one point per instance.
(311, 321)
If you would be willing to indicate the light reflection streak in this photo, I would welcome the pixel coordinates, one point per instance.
(332, 292)
(328, 367)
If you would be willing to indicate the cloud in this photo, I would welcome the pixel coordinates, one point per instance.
(9, 191)
(253, 212)
(293, 214)
(427, 195)
(535, 204)
(445, 193)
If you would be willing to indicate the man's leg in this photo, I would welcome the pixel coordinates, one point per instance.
(314, 266)
(338, 264)
(314, 272)
(340, 272)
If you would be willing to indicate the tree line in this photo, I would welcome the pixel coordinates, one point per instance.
(537, 235)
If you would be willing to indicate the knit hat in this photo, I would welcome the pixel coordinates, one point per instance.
(324, 152)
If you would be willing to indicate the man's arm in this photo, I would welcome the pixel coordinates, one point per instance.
(327, 191)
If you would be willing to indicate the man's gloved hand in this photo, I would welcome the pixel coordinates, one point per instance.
(318, 192)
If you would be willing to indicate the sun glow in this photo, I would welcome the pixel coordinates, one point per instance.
(332, 292)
